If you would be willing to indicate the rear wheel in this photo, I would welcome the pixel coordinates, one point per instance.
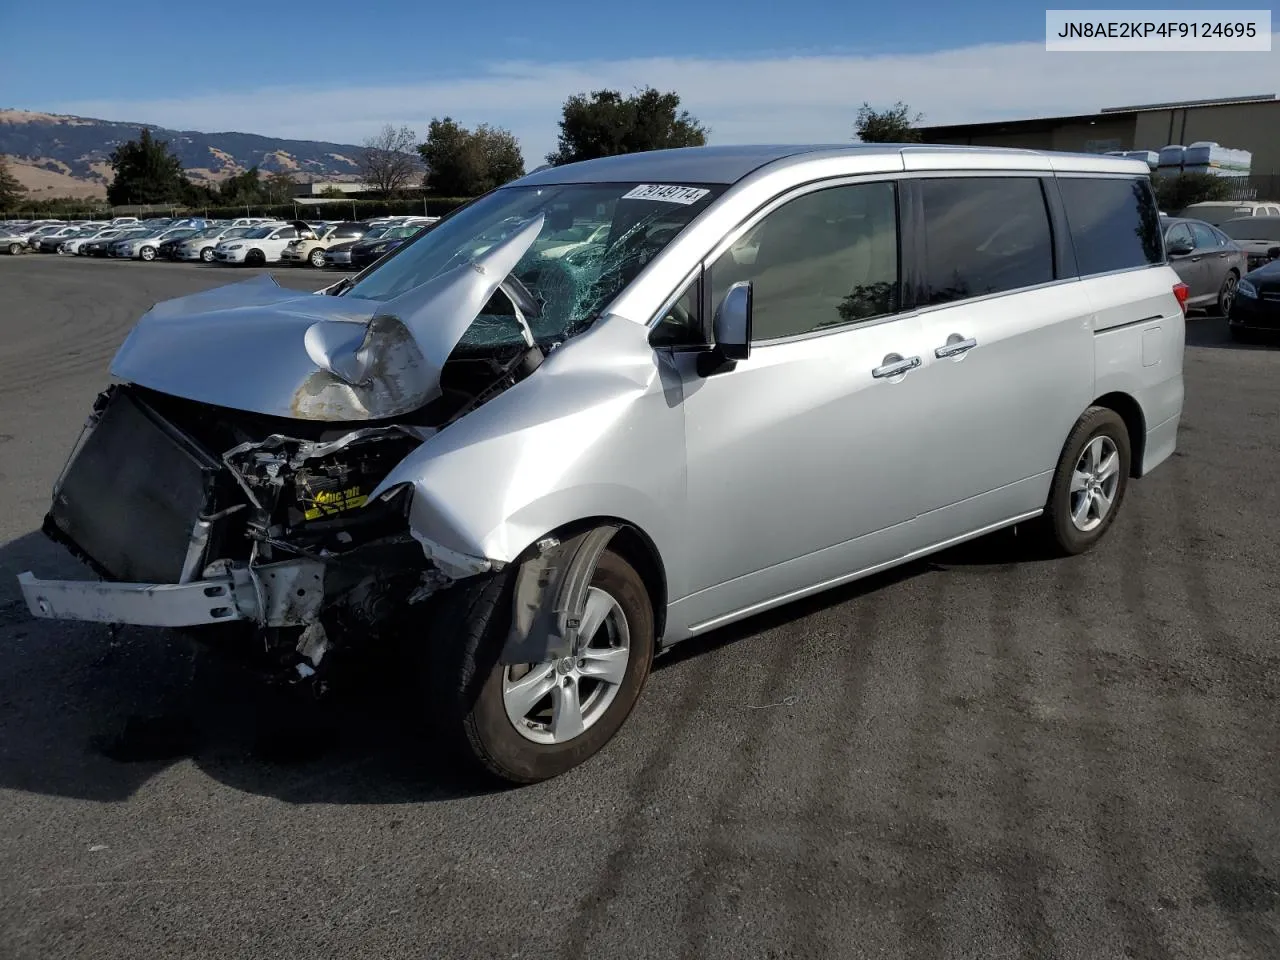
(1089, 483)
(147, 253)
(206, 255)
(1227, 295)
(530, 722)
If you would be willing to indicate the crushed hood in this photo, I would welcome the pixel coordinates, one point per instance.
(259, 347)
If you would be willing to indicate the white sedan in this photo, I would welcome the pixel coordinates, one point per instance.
(73, 244)
(260, 246)
(202, 245)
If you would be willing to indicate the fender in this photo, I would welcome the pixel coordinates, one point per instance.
(597, 430)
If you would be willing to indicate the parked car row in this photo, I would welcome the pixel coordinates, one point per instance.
(1213, 260)
(252, 241)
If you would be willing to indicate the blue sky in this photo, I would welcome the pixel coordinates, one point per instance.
(751, 69)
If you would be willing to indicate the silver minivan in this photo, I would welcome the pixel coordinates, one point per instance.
(766, 371)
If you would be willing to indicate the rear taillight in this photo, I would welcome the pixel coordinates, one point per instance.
(1182, 291)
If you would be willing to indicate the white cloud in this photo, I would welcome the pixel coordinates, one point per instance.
(769, 99)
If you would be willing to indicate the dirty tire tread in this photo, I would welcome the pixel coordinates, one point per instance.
(468, 630)
(1058, 535)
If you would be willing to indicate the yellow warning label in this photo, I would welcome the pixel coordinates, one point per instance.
(328, 502)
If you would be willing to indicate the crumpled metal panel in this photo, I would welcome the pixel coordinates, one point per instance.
(598, 432)
(258, 347)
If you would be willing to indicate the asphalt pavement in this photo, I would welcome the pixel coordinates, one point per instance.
(983, 756)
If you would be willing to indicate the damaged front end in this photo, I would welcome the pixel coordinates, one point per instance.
(228, 480)
(195, 515)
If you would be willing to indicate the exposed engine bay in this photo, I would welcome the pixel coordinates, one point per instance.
(167, 491)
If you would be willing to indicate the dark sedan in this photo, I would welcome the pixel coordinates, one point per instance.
(99, 247)
(168, 248)
(1256, 308)
(367, 251)
(1208, 261)
(339, 255)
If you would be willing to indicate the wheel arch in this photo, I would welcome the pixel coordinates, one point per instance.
(1135, 421)
(634, 545)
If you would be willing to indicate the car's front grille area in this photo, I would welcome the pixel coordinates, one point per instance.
(132, 492)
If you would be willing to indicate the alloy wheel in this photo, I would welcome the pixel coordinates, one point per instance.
(556, 701)
(1094, 482)
(1228, 295)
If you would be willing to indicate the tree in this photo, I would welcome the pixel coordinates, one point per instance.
(11, 191)
(388, 161)
(243, 188)
(894, 125)
(1178, 192)
(146, 171)
(605, 123)
(279, 187)
(467, 163)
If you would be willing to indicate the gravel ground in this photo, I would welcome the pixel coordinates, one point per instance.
(982, 756)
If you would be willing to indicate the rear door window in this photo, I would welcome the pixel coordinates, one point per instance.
(1114, 223)
(983, 235)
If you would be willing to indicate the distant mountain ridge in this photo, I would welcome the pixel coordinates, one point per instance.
(58, 154)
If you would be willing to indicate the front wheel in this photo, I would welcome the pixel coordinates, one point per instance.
(147, 253)
(530, 722)
(1089, 483)
(317, 257)
(255, 258)
(15, 249)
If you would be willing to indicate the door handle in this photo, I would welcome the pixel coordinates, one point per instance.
(1195, 259)
(894, 365)
(955, 347)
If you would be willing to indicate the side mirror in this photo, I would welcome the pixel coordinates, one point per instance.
(1180, 248)
(732, 331)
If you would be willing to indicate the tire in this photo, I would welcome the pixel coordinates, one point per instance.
(206, 255)
(316, 257)
(1228, 293)
(1102, 430)
(465, 682)
(147, 254)
(255, 258)
(15, 249)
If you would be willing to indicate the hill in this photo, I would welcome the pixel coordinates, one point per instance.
(55, 155)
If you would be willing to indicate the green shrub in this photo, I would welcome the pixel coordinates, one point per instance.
(1176, 193)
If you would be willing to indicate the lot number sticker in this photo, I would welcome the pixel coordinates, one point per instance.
(667, 194)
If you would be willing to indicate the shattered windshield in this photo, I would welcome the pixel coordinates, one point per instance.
(595, 238)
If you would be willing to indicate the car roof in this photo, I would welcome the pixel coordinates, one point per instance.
(729, 164)
(1268, 220)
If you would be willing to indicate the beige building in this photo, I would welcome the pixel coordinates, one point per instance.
(1243, 123)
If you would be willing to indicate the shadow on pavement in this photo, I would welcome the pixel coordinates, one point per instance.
(92, 713)
(1213, 332)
